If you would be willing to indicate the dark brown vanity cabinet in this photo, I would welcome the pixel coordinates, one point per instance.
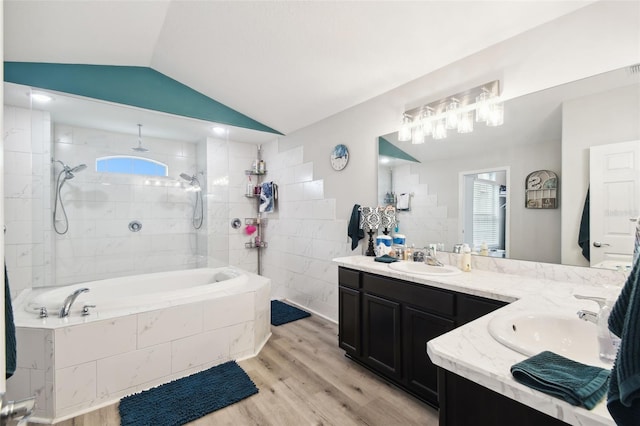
(385, 324)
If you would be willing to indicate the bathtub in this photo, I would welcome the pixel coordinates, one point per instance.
(144, 331)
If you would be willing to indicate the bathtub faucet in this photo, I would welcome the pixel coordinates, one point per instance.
(66, 307)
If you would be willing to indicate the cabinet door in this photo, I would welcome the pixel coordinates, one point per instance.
(421, 375)
(349, 320)
(381, 343)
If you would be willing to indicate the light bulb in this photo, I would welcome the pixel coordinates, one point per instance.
(465, 124)
(452, 114)
(404, 134)
(496, 115)
(440, 130)
(482, 107)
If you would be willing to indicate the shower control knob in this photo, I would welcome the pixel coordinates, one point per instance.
(85, 310)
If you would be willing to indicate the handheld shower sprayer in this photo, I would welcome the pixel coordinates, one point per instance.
(195, 186)
(68, 174)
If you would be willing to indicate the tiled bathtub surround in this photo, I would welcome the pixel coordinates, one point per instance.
(74, 366)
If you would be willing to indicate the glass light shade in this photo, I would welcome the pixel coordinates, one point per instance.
(452, 114)
(427, 121)
(496, 115)
(404, 134)
(482, 107)
(418, 135)
(440, 130)
(465, 124)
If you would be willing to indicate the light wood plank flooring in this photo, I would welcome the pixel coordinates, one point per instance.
(305, 379)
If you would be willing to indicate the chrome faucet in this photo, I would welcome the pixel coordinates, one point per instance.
(586, 315)
(431, 259)
(66, 307)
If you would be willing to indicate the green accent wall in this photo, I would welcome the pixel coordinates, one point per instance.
(141, 87)
(388, 149)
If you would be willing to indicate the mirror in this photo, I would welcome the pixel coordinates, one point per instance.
(539, 133)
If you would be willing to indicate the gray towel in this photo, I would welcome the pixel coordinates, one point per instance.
(623, 400)
(553, 374)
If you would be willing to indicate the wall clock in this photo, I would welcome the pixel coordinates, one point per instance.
(339, 157)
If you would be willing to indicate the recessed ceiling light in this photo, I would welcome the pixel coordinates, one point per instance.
(41, 97)
(219, 130)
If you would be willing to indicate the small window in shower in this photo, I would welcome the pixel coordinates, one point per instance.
(131, 165)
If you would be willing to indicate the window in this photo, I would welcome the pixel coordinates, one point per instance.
(486, 213)
(131, 165)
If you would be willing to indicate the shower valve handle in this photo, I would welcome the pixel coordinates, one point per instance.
(85, 310)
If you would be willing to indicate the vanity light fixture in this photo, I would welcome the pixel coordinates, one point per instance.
(453, 112)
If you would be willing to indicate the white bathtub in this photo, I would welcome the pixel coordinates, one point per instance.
(144, 331)
(116, 296)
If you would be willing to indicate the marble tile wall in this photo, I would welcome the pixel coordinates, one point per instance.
(303, 235)
(27, 184)
(77, 368)
(427, 220)
(100, 206)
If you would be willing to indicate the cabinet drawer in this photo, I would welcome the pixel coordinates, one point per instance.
(418, 295)
(348, 277)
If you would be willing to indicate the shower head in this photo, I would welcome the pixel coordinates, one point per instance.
(193, 181)
(69, 171)
(140, 148)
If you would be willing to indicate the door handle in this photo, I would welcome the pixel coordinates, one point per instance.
(599, 244)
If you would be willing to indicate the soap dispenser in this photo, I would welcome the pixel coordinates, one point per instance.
(466, 258)
(607, 341)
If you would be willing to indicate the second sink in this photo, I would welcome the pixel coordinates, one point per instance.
(533, 332)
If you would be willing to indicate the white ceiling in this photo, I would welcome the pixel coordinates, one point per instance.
(286, 64)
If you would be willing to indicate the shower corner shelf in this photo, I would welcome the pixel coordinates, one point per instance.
(251, 244)
(254, 173)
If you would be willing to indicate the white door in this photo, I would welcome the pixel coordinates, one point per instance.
(614, 202)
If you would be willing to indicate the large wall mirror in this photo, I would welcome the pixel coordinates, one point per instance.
(555, 130)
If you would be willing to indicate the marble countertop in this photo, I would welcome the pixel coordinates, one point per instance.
(471, 352)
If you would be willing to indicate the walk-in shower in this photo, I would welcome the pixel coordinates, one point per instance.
(68, 173)
(198, 208)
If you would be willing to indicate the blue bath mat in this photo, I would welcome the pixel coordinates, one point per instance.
(187, 399)
(282, 313)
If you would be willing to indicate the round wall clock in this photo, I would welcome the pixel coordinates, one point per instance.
(339, 157)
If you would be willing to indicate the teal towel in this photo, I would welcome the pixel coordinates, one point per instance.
(553, 374)
(353, 230)
(623, 400)
(9, 329)
(385, 258)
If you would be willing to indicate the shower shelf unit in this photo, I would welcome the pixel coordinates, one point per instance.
(258, 222)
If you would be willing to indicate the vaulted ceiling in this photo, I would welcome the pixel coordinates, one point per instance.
(286, 64)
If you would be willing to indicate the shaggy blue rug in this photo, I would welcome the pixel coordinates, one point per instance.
(282, 313)
(188, 398)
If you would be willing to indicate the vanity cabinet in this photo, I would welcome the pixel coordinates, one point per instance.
(385, 324)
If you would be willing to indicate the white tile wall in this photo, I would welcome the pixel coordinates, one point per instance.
(303, 235)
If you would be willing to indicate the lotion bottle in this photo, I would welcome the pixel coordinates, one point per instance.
(466, 258)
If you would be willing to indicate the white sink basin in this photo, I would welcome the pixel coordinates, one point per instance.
(530, 333)
(424, 269)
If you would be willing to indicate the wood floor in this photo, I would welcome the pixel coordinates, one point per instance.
(305, 379)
